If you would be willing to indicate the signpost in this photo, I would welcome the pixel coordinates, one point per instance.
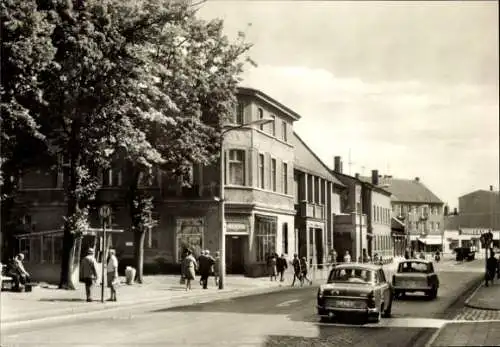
(104, 213)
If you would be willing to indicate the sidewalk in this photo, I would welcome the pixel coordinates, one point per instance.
(48, 301)
(486, 298)
(473, 333)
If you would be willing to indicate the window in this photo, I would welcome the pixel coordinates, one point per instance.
(237, 167)
(285, 178)
(285, 238)
(273, 125)
(265, 237)
(261, 116)
(261, 171)
(112, 178)
(189, 233)
(284, 131)
(273, 174)
(240, 113)
(437, 226)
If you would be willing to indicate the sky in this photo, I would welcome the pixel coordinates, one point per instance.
(410, 89)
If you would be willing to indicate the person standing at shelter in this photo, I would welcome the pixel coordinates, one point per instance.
(112, 273)
(89, 272)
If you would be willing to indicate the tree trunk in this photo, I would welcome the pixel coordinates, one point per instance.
(7, 241)
(139, 254)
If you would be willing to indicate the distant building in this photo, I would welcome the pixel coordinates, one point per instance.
(478, 212)
(365, 222)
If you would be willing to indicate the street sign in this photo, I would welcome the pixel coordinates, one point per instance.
(105, 211)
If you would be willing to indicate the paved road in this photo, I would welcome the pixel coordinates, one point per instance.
(278, 319)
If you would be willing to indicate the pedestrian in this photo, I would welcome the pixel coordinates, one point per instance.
(303, 268)
(112, 274)
(200, 260)
(18, 273)
(281, 266)
(334, 257)
(271, 265)
(347, 257)
(297, 273)
(189, 266)
(206, 264)
(491, 268)
(407, 254)
(89, 272)
(217, 268)
(366, 258)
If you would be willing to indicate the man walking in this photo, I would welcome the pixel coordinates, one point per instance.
(89, 272)
(200, 260)
(491, 268)
(206, 264)
(303, 268)
(297, 273)
(281, 265)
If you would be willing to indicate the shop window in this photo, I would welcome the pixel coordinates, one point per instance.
(189, 233)
(265, 237)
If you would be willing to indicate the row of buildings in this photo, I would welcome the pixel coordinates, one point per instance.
(279, 198)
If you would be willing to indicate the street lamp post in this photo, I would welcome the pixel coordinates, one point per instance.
(222, 240)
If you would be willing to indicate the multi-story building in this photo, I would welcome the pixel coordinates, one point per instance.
(419, 209)
(317, 201)
(262, 205)
(478, 212)
(365, 194)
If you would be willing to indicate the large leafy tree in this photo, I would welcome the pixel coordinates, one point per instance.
(197, 66)
(27, 52)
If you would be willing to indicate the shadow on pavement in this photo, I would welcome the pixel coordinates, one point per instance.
(63, 300)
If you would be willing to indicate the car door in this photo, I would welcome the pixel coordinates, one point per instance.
(385, 287)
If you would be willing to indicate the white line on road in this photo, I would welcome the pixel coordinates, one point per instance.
(287, 303)
(397, 323)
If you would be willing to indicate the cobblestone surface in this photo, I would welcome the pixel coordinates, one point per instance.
(473, 314)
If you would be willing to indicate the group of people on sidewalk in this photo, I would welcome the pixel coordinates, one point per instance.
(277, 266)
(205, 264)
(90, 273)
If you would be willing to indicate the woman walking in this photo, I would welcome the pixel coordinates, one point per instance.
(272, 267)
(189, 269)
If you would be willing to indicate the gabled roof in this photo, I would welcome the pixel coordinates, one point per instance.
(361, 180)
(307, 161)
(481, 192)
(268, 100)
(406, 190)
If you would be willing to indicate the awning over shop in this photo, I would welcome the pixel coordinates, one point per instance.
(431, 240)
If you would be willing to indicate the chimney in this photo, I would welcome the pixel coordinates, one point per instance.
(417, 179)
(446, 210)
(375, 177)
(356, 175)
(491, 188)
(337, 164)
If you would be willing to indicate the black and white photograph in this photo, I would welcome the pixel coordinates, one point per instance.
(249, 173)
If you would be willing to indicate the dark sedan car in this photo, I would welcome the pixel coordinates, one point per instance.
(354, 288)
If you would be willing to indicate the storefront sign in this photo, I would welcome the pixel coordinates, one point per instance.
(235, 228)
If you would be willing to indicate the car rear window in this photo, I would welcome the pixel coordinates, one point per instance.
(415, 267)
(351, 276)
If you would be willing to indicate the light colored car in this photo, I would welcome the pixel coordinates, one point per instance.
(355, 288)
(414, 275)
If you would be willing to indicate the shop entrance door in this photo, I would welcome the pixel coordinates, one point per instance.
(235, 254)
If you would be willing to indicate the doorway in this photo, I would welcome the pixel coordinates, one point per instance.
(319, 247)
(235, 260)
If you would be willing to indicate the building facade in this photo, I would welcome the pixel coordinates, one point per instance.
(279, 198)
(317, 203)
(478, 212)
(419, 209)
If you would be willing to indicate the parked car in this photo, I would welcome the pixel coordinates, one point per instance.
(415, 275)
(355, 288)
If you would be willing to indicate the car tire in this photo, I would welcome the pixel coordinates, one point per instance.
(378, 317)
(433, 293)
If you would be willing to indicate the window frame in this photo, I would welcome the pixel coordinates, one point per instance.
(274, 178)
(233, 162)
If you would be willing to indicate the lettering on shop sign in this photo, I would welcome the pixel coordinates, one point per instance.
(236, 228)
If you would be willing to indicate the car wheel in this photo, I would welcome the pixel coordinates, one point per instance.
(378, 317)
(434, 293)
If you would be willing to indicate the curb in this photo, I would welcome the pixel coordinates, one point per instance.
(478, 307)
(173, 302)
(436, 334)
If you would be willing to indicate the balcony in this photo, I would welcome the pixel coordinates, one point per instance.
(310, 210)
